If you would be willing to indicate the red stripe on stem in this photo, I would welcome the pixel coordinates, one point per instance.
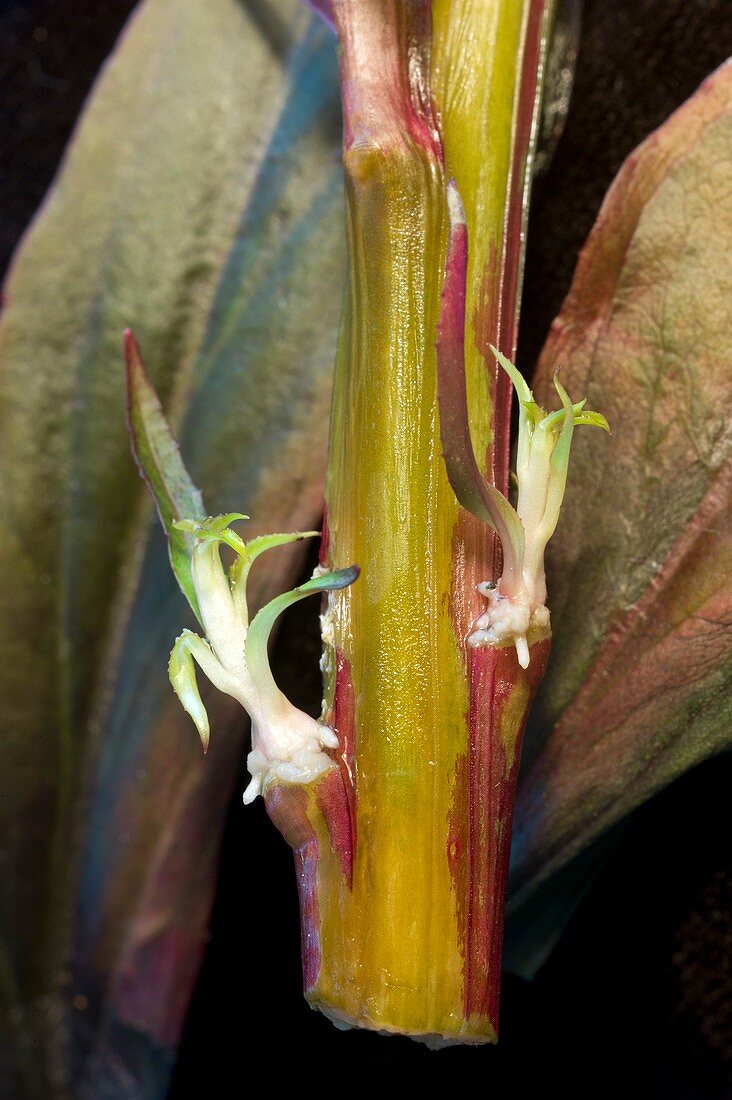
(479, 843)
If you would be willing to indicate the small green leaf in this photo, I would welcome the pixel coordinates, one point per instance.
(555, 420)
(523, 391)
(215, 525)
(258, 545)
(239, 571)
(534, 412)
(264, 620)
(593, 419)
(216, 529)
(159, 461)
(182, 673)
(559, 461)
(326, 582)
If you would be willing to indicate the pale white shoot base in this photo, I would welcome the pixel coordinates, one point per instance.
(289, 754)
(288, 746)
(509, 621)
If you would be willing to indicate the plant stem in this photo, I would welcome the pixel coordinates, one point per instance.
(429, 728)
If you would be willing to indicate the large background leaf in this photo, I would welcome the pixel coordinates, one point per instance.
(199, 202)
(640, 568)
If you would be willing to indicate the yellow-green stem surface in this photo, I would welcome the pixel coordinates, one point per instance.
(392, 954)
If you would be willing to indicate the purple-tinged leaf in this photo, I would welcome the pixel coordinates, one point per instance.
(470, 487)
(639, 687)
(200, 201)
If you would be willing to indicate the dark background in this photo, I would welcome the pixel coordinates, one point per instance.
(636, 997)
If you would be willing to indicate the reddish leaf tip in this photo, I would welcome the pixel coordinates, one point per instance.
(135, 367)
(131, 346)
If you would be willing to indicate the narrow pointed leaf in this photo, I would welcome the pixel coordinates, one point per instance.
(470, 487)
(159, 461)
(264, 620)
(520, 384)
(325, 582)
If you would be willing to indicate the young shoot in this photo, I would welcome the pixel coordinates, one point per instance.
(287, 745)
(516, 612)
